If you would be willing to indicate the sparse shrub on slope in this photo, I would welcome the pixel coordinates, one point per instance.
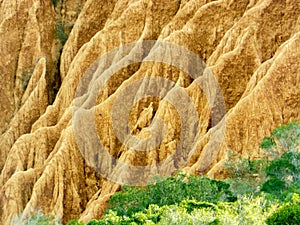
(245, 176)
(25, 78)
(61, 33)
(285, 138)
(40, 219)
(282, 171)
(275, 175)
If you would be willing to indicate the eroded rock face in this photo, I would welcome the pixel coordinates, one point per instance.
(220, 76)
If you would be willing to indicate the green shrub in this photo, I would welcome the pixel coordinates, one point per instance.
(245, 210)
(244, 176)
(294, 188)
(289, 215)
(75, 222)
(282, 171)
(285, 137)
(273, 186)
(237, 168)
(169, 191)
(60, 33)
(294, 159)
(280, 168)
(54, 3)
(25, 78)
(191, 205)
(267, 143)
(95, 222)
(40, 219)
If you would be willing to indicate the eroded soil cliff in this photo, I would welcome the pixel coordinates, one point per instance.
(88, 102)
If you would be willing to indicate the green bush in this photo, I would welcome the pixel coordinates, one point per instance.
(245, 176)
(95, 222)
(283, 171)
(54, 3)
(245, 210)
(169, 191)
(40, 219)
(60, 33)
(267, 143)
(273, 186)
(75, 222)
(288, 136)
(285, 137)
(280, 168)
(294, 159)
(294, 188)
(289, 215)
(237, 168)
(25, 78)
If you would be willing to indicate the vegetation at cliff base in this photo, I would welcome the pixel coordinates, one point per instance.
(40, 219)
(25, 78)
(169, 191)
(61, 33)
(264, 191)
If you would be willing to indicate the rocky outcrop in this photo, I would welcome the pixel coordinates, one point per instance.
(89, 103)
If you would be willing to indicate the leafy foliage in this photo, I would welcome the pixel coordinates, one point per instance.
(75, 222)
(25, 77)
(54, 3)
(284, 171)
(267, 143)
(244, 176)
(169, 191)
(245, 210)
(273, 186)
(271, 176)
(294, 188)
(60, 33)
(40, 219)
(285, 137)
(288, 214)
